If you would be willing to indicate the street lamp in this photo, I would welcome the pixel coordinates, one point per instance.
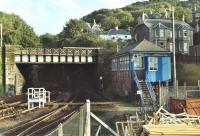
(101, 83)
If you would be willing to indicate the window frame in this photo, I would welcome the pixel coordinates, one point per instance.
(141, 61)
(185, 32)
(185, 44)
(163, 33)
(154, 63)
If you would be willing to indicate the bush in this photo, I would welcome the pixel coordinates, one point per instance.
(188, 73)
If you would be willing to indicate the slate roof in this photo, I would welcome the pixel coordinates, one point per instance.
(147, 46)
(143, 46)
(116, 32)
(151, 23)
(197, 11)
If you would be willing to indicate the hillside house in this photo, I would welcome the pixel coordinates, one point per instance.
(196, 19)
(159, 31)
(116, 34)
(93, 28)
(140, 67)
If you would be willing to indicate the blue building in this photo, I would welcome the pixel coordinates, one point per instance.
(137, 69)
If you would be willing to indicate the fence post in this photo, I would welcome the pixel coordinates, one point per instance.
(60, 129)
(160, 93)
(87, 123)
(167, 94)
(185, 90)
(176, 89)
(81, 123)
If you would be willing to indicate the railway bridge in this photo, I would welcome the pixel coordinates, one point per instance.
(48, 66)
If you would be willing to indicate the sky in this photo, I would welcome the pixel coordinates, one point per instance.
(49, 16)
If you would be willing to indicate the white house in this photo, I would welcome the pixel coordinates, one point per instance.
(116, 34)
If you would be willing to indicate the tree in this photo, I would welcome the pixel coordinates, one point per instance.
(49, 40)
(73, 28)
(110, 22)
(125, 18)
(17, 32)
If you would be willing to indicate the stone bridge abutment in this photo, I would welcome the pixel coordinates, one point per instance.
(63, 67)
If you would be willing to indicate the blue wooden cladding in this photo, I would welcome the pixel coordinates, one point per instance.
(154, 61)
(151, 63)
(163, 73)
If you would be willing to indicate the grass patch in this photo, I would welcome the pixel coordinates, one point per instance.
(189, 73)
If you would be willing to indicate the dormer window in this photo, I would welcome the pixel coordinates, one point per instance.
(159, 33)
(162, 33)
(185, 33)
(170, 34)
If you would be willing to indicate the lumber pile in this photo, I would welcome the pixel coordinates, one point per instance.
(162, 116)
(169, 124)
(170, 130)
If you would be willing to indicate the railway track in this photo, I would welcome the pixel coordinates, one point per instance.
(43, 124)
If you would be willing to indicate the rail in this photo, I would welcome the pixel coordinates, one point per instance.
(135, 78)
(150, 89)
(57, 51)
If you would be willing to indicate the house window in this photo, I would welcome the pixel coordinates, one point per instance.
(171, 47)
(153, 63)
(170, 34)
(185, 33)
(162, 34)
(185, 47)
(159, 33)
(138, 63)
(114, 65)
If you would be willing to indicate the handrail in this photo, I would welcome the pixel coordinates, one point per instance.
(150, 88)
(139, 88)
(135, 78)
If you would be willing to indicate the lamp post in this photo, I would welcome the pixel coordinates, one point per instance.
(174, 51)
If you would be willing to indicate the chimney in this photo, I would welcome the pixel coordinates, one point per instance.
(116, 28)
(183, 18)
(195, 7)
(197, 27)
(143, 16)
(94, 21)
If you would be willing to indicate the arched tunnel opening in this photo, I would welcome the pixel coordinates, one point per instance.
(81, 79)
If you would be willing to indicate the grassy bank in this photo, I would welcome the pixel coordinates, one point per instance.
(189, 73)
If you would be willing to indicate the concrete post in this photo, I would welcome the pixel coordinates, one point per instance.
(60, 129)
(87, 123)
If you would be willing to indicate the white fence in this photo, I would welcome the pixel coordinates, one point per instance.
(80, 124)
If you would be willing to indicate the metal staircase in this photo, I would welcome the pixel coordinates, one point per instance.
(145, 91)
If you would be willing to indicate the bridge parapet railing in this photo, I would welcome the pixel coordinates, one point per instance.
(57, 51)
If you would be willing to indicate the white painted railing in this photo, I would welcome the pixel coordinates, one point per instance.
(37, 96)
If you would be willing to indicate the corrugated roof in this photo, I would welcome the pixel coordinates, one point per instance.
(167, 23)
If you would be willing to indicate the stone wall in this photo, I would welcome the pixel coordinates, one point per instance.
(13, 78)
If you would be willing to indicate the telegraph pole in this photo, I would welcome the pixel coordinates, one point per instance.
(174, 51)
(1, 27)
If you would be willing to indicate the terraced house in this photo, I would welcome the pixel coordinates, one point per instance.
(159, 31)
